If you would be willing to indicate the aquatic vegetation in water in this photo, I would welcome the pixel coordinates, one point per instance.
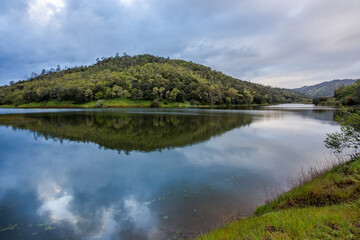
(10, 228)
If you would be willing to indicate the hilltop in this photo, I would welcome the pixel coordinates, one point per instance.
(324, 89)
(138, 80)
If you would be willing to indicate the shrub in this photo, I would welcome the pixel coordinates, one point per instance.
(349, 136)
(155, 103)
(100, 103)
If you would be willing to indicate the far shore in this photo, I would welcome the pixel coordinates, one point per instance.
(122, 103)
(126, 103)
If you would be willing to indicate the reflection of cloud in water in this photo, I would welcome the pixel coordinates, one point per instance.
(265, 145)
(110, 221)
(55, 202)
(109, 225)
(99, 194)
(58, 209)
(139, 213)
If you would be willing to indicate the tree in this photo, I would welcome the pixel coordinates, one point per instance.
(88, 95)
(228, 100)
(99, 95)
(173, 94)
(161, 92)
(116, 91)
(42, 94)
(155, 92)
(29, 96)
(249, 96)
(33, 75)
(232, 94)
(259, 99)
(349, 136)
(137, 94)
(316, 101)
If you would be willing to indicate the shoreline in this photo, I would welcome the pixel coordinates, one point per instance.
(123, 104)
(327, 206)
(127, 103)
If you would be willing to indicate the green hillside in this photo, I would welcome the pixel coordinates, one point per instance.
(139, 78)
(348, 95)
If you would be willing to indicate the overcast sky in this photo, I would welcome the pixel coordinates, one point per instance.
(274, 42)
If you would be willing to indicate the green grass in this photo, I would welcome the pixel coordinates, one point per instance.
(326, 208)
(339, 185)
(177, 104)
(332, 222)
(117, 102)
(113, 103)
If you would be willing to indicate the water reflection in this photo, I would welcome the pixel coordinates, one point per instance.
(127, 132)
(211, 162)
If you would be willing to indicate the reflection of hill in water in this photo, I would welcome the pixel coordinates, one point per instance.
(127, 132)
(327, 116)
(322, 115)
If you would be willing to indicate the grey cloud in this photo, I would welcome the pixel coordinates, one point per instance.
(274, 42)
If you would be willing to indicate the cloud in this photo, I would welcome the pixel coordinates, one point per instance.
(44, 10)
(274, 42)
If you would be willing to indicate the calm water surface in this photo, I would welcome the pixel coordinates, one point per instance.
(147, 174)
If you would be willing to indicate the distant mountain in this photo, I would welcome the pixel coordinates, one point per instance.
(324, 89)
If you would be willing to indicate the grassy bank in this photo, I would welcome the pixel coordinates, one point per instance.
(114, 103)
(326, 208)
(107, 103)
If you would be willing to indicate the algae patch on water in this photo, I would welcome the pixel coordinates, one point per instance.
(9, 228)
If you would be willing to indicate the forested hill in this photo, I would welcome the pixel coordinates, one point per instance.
(324, 89)
(348, 95)
(141, 77)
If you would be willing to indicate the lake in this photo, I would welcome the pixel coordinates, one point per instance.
(148, 173)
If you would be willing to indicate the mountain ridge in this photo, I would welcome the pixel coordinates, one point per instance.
(324, 89)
